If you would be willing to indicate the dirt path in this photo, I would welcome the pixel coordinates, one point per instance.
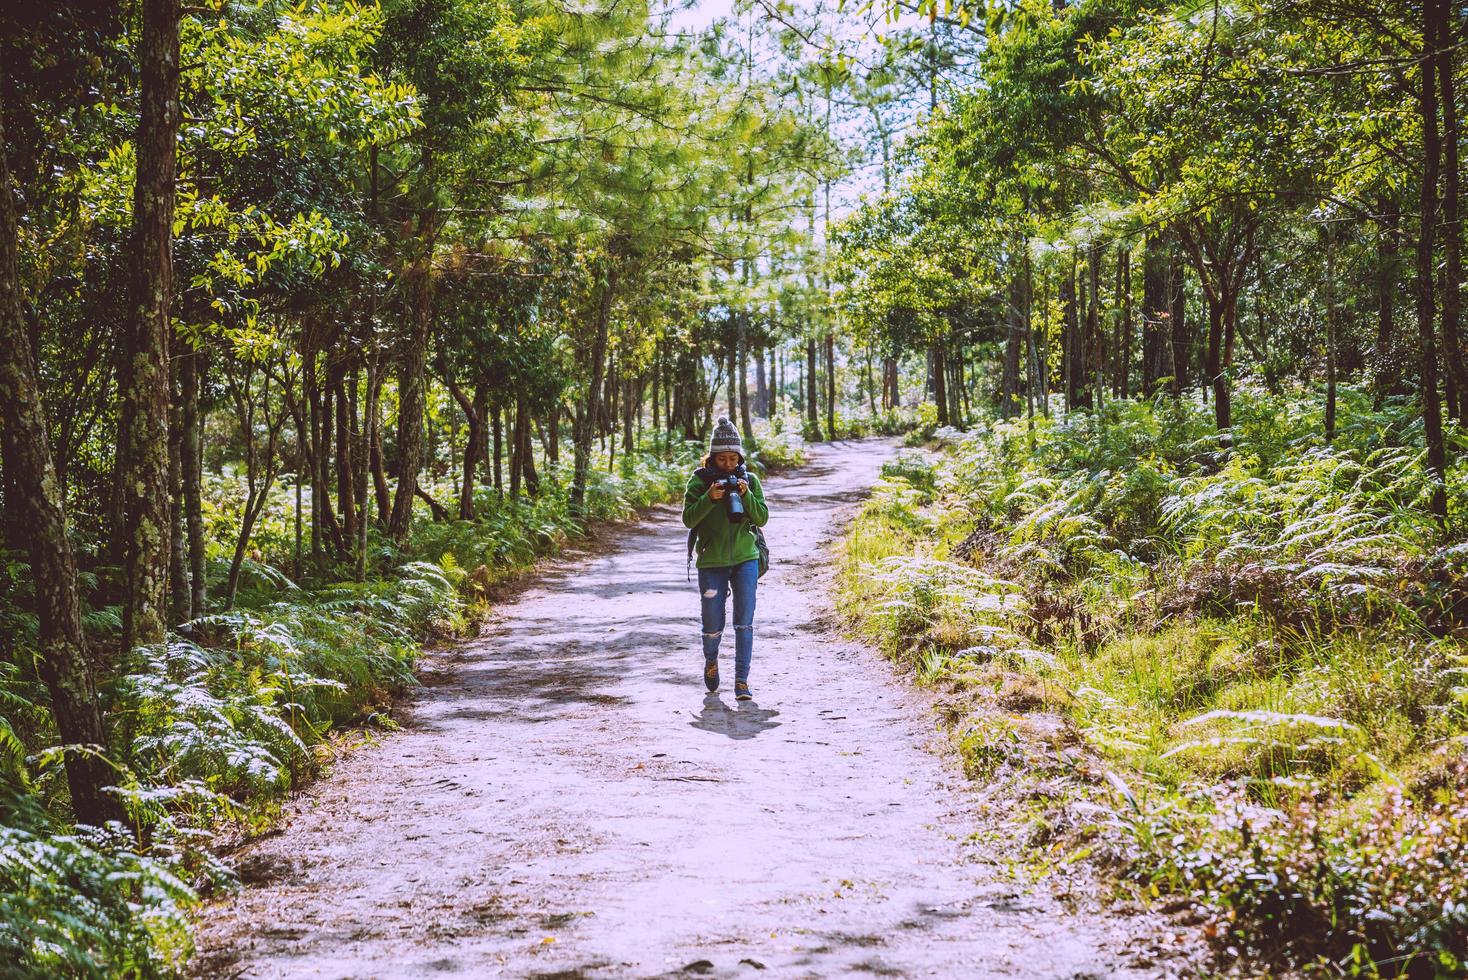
(567, 802)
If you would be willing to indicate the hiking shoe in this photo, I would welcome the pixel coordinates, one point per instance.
(741, 691)
(711, 675)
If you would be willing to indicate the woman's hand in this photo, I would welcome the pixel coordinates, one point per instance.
(743, 487)
(716, 492)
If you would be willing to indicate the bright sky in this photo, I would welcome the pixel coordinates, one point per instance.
(695, 16)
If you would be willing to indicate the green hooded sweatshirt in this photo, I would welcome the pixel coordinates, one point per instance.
(721, 543)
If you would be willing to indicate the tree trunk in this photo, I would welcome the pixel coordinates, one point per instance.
(474, 410)
(1213, 361)
(344, 462)
(1010, 384)
(411, 383)
(1427, 334)
(527, 448)
(38, 501)
(1456, 375)
(366, 438)
(657, 378)
(497, 431)
(1178, 300)
(1071, 348)
(957, 388)
(733, 375)
(178, 567)
(831, 384)
(1123, 347)
(593, 396)
(318, 445)
(1095, 349)
(1330, 339)
(517, 450)
(761, 388)
(1038, 343)
(380, 488)
(812, 401)
(1155, 355)
(1387, 268)
(745, 422)
(629, 415)
(143, 375)
(191, 368)
(940, 381)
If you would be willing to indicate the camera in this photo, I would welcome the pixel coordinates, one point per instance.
(733, 503)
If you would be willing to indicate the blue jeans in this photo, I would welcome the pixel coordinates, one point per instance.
(713, 586)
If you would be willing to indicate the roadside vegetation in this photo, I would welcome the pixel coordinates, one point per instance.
(244, 703)
(1233, 678)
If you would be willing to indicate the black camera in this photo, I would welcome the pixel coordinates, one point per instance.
(733, 503)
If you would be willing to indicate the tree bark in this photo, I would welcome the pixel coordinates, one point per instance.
(411, 381)
(831, 383)
(1124, 341)
(1095, 348)
(812, 401)
(1456, 375)
(1433, 14)
(474, 411)
(1178, 316)
(143, 373)
(1388, 243)
(345, 464)
(745, 422)
(366, 438)
(1155, 355)
(940, 381)
(257, 485)
(497, 432)
(733, 374)
(380, 489)
(191, 368)
(1014, 341)
(39, 503)
(1072, 346)
(761, 388)
(1330, 338)
(593, 397)
(178, 566)
(527, 448)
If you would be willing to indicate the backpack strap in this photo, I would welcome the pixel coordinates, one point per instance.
(706, 477)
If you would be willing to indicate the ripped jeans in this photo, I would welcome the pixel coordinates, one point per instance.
(713, 586)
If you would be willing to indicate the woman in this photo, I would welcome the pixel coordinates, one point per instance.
(728, 554)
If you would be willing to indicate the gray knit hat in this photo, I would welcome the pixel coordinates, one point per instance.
(726, 438)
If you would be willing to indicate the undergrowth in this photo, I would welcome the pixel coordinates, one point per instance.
(1232, 674)
(209, 729)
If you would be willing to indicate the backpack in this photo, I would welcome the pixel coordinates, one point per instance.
(760, 545)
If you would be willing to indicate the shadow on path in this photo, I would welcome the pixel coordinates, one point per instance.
(745, 720)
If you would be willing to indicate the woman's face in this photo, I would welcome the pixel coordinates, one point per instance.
(726, 461)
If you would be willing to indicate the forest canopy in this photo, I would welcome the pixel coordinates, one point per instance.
(319, 319)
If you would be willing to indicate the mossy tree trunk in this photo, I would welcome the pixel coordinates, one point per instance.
(35, 493)
(143, 373)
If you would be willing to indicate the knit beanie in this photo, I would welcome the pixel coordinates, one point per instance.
(726, 438)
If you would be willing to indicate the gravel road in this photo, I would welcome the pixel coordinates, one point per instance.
(565, 801)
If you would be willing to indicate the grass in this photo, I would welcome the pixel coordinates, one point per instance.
(1221, 656)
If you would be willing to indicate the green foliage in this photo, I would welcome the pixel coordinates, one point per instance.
(85, 904)
(1263, 642)
(777, 445)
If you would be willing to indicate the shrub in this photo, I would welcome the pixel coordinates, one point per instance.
(1261, 635)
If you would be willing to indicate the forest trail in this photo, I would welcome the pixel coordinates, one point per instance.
(565, 801)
